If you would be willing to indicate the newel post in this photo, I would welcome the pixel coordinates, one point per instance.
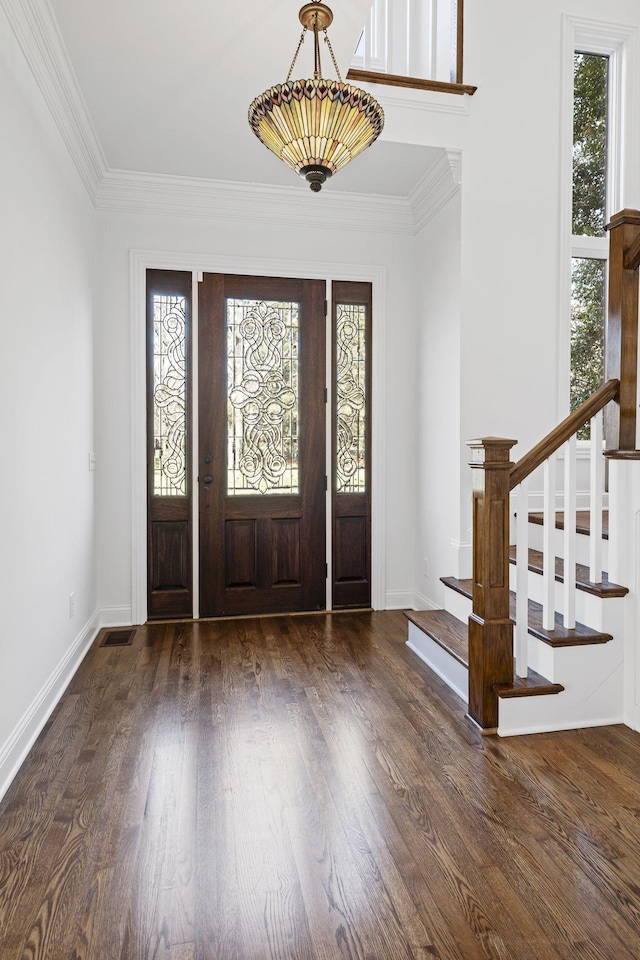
(490, 627)
(622, 328)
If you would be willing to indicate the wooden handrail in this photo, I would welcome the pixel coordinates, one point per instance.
(570, 425)
(416, 83)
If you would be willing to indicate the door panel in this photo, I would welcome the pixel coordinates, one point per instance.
(351, 464)
(168, 448)
(261, 445)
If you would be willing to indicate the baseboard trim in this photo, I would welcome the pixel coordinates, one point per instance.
(116, 617)
(398, 600)
(421, 602)
(27, 730)
(462, 558)
(582, 724)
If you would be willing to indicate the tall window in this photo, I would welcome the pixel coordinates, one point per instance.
(589, 216)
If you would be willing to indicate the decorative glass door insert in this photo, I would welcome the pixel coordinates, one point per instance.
(263, 410)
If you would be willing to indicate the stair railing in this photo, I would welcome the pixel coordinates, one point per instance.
(494, 476)
(544, 454)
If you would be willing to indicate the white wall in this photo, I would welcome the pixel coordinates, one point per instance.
(120, 233)
(46, 489)
(440, 550)
(513, 280)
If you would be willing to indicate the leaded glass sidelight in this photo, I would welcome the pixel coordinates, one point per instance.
(169, 396)
(263, 418)
(351, 397)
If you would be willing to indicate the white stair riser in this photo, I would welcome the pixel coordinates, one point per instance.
(454, 673)
(457, 605)
(536, 532)
(589, 608)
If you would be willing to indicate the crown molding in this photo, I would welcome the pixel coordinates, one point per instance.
(438, 185)
(126, 190)
(36, 30)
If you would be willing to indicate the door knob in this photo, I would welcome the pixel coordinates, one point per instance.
(208, 479)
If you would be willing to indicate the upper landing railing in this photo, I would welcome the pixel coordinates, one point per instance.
(413, 43)
(491, 630)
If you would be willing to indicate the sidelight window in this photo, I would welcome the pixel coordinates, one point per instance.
(169, 391)
(351, 398)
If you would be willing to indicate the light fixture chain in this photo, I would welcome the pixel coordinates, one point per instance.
(295, 56)
(335, 65)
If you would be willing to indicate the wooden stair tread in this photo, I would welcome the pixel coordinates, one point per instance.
(452, 635)
(603, 589)
(583, 524)
(533, 685)
(558, 637)
(445, 629)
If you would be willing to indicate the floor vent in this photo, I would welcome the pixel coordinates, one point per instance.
(117, 638)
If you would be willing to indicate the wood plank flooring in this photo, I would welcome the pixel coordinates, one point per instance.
(303, 788)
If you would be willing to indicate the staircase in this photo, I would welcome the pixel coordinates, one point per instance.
(539, 638)
(574, 677)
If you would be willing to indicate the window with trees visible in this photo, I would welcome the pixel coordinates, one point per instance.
(589, 216)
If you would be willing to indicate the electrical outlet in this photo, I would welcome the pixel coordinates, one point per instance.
(92, 460)
(425, 568)
(72, 605)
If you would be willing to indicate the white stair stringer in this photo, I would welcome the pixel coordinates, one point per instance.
(592, 677)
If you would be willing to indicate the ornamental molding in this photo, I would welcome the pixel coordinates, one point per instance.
(36, 30)
(129, 191)
(439, 184)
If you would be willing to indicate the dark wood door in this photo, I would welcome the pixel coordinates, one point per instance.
(261, 445)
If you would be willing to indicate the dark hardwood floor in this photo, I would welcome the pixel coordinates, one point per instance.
(302, 788)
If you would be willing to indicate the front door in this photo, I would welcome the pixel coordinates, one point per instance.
(261, 465)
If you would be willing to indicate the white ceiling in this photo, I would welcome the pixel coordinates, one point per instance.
(168, 86)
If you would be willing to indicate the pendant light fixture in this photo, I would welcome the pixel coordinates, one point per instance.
(316, 126)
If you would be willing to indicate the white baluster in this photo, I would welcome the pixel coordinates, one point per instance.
(595, 500)
(570, 534)
(549, 549)
(522, 579)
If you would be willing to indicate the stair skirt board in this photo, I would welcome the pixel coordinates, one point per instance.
(593, 695)
(520, 716)
(454, 673)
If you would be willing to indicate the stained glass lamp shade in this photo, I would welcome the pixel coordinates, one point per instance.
(316, 126)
